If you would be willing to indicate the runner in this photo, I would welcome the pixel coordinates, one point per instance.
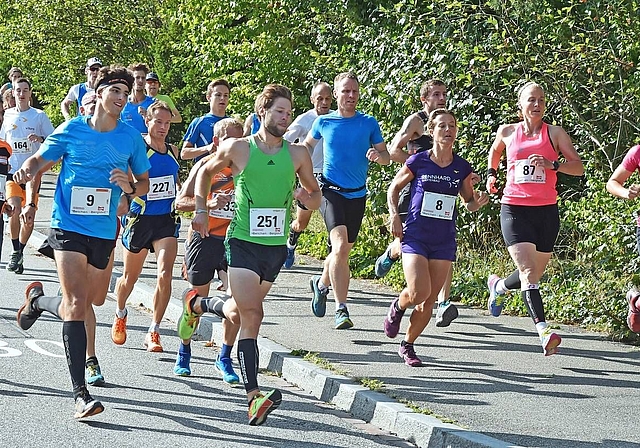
(152, 89)
(348, 136)
(8, 100)
(83, 222)
(14, 74)
(199, 136)
(251, 124)
(264, 168)
(529, 213)
(135, 111)
(203, 256)
(428, 233)
(24, 128)
(5, 207)
(78, 91)
(615, 186)
(151, 225)
(297, 132)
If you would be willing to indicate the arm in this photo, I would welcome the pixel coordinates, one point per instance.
(65, 108)
(472, 199)
(248, 124)
(615, 184)
(495, 153)
(189, 151)
(378, 154)
(412, 125)
(28, 214)
(310, 143)
(403, 177)
(572, 165)
(309, 194)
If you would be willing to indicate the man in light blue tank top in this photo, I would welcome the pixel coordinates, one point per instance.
(352, 139)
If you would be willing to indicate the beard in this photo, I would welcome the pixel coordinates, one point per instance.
(272, 129)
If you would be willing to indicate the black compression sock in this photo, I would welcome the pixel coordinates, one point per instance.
(533, 302)
(50, 304)
(74, 338)
(248, 358)
(513, 281)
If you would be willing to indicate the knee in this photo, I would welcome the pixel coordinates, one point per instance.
(251, 317)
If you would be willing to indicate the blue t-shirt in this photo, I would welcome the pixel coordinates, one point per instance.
(346, 142)
(200, 131)
(163, 180)
(88, 156)
(437, 223)
(132, 117)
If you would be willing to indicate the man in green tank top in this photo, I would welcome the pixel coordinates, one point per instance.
(264, 169)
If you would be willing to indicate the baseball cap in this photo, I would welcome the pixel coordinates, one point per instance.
(152, 76)
(93, 61)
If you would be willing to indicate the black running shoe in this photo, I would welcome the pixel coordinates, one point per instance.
(27, 314)
(86, 406)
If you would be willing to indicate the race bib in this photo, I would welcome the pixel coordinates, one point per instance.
(227, 211)
(436, 205)
(3, 187)
(527, 173)
(21, 145)
(161, 188)
(267, 221)
(90, 201)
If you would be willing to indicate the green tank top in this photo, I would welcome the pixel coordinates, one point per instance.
(264, 192)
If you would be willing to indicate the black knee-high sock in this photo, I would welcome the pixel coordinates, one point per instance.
(50, 304)
(16, 244)
(513, 281)
(248, 358)
(74, 338)
(533, 302)
(213, 305)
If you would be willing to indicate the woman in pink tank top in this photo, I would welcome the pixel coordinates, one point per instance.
(529, 216)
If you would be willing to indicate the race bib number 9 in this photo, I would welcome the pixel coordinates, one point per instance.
(3, 187)
(436, 205)
(161, 188)
(527, 173)
(225, 212)
(21, 146)
(267, 221)
(90, 201)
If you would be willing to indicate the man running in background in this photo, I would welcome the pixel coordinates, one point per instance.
(78, 91)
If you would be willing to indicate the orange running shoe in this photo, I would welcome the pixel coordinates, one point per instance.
(152, 342)
(119, 330)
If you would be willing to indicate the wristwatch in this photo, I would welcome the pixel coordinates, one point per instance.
(556, 165)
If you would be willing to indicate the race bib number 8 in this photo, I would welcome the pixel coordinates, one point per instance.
(161, 188)
(267, 221)
(436, 205)
(21, 146)
(90, 201)
(3, 187)
(527, 173)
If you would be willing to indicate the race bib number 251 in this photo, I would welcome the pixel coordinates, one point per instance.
(267, 221)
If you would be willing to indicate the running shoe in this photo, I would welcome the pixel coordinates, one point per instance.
(496, 302)
(550, 342)
(182, 367)
(262, 405)
(15, 262)
(92, 373)
(223, 365)
(319, 301)
(291, 258)
(189, 318)
(119, 330)
(447, 313)
(152, 342)
(86, 405)
(408, 354)
(28, 314)
(392, 320)
(384, 263)
(343, 322)
(633, 317)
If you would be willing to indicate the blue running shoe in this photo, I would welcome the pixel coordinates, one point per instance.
(92, 373)
(182, 364)
(384, 263)
(319, 301)
(496, 301)
(343, 321)
(291, 258)
(223, 365)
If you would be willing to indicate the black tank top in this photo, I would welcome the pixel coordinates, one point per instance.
(424, 142)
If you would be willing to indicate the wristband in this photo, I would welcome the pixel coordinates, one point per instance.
(133, 189)
(556, 165)
(201, 211)
(492, 172)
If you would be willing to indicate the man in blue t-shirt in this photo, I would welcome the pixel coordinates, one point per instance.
(198, 141)
(97, 152)
(352, 139)
(138, 102)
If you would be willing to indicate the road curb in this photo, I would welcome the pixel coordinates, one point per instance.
(343, 392)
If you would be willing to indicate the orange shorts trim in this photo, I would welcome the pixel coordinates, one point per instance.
(15, 190)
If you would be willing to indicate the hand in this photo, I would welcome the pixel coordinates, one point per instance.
(200, 224)
(373, 155)
(219, 201)
(541, 161)
(28, 215)
(7, 209)
(121, 179)
(633, 191)
(491, 184)
(301, 195)
(22, 176)
(475, 178)
(35, 138)
(396, 226)
(480, 198)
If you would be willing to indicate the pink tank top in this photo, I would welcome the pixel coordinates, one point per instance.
(527, 184)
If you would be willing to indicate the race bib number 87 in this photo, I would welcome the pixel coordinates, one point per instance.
(267, 221)
(527, 173)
